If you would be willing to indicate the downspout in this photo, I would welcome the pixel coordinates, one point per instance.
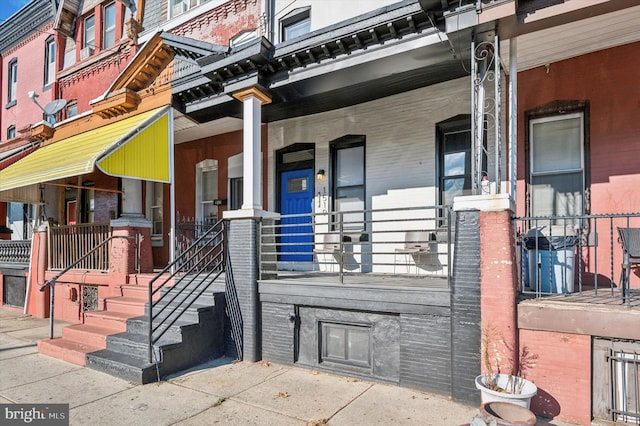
(513, 116)
(28, 292)
(172, 192)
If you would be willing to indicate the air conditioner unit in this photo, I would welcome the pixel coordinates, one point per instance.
(86, 52)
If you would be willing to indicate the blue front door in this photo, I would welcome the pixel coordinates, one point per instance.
(296, 192)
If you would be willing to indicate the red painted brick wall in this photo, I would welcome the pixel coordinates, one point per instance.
(562, 374)
(222, 23)
(608, 79)
(30, 54)
(91, 81)
(498, 289)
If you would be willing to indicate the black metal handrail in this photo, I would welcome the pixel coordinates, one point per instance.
(52, 281)
(201, 263)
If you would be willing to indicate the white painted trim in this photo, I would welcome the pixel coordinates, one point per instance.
(485, 203)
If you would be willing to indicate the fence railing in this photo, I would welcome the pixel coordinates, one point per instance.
(624, 370)
(188, 230)
(16, 252)
(579, 255)
(179, 285)
(403, 242)
(68, 243)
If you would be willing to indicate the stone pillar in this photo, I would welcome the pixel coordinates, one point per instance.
(465, 307)
(242, 274)
(498, 278)
(38, 301)
(252, 100)
(130, 249)
(242, 287)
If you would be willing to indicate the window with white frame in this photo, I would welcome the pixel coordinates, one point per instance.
(206, 190)
(89, 35)
(109, 26)
(556, 163)
(178, 7)
(155, 198)
(295, 24)
(348, 180)
(11, 132)
(49, 61)
(12, 88)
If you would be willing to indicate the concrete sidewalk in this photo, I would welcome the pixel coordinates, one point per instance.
(221, 392)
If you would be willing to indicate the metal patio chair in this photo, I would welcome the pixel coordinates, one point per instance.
(329, 247)
(630, 240)
(415, 243)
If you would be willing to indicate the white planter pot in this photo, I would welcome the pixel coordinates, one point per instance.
(522, 399)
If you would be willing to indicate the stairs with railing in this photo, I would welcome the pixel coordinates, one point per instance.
(186, 317)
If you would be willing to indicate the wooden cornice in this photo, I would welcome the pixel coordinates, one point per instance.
(117, 104)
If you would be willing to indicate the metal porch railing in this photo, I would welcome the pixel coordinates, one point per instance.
(185, 279)
(403, 243)
(68, 243)
(578, 256)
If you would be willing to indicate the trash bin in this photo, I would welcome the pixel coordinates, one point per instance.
(551, 259)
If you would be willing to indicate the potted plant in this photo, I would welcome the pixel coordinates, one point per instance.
(505, 383)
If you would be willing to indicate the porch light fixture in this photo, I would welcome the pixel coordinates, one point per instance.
(320, 175)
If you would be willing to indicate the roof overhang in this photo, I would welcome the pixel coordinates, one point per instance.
(384, 52)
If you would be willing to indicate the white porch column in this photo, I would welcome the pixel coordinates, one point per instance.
(131, 197)
(253, 99)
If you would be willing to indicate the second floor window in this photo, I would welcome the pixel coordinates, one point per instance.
(295, 24)
(109, 26)
(89, 39)
(11, 132)
(50, 61)
(13, 81)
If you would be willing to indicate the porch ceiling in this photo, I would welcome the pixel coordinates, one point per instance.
(578, 38)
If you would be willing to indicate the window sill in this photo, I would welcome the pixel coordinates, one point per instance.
(10, 104)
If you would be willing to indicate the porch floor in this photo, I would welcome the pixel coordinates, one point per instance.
(603, 298)
(359, 280)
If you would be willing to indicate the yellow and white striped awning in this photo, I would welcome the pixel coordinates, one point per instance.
(136, 147)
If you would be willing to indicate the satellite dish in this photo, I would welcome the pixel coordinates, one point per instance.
(54, 107)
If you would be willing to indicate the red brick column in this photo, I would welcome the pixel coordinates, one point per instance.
(131, 239)
(498, 288)
(38, 302)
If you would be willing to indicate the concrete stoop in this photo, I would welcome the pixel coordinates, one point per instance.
(115, 340)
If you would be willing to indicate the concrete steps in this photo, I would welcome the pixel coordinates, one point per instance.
(116, 340)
